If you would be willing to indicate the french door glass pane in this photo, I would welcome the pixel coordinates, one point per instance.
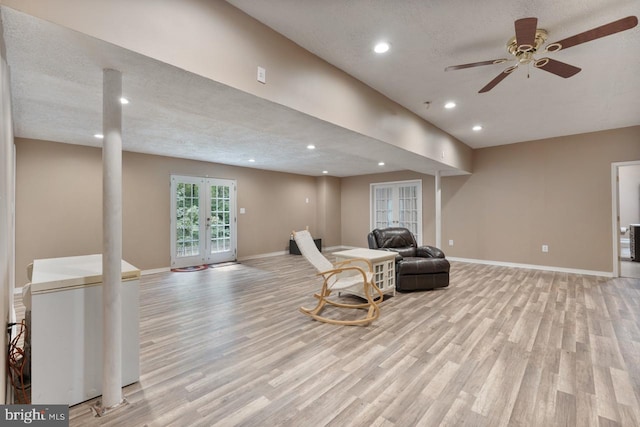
(384, 207)
(408, 207)
(220, 218)
(187, 220)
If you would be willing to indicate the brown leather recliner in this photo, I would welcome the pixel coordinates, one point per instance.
(417, 267)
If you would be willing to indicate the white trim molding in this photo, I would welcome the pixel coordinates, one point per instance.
(154, 271)
(534, 267)
(270, 254)
(265, 255)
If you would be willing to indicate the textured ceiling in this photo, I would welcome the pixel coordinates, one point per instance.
(56, 84)
(427, 36)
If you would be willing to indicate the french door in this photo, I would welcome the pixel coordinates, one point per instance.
(203, 221)
(397, 204)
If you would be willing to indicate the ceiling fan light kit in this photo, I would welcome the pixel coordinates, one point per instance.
(554, 47)
(529, 40)
(541, 62)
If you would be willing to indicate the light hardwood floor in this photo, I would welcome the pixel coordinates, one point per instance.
(498, 347)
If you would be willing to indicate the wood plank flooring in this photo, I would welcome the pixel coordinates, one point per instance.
(498, 347)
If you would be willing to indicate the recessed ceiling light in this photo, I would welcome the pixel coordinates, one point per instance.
(124, 101)
(449, 105)
(325, 172)
(252, 160)
(381, 47)
(477, 128)
(380, 163)
(311, 147)
(98, 135)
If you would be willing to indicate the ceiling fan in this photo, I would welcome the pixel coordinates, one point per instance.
(528, 41)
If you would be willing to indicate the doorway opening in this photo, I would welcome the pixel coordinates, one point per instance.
(625, 188)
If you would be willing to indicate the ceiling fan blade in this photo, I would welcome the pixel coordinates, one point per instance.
(526, 33)
(497, 80)
(558, 68)
(595, 33)
(475, 64)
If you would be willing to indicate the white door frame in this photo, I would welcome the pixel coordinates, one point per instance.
(417, 182)
(615, 212)
(204, 255)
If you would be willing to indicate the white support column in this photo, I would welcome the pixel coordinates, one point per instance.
(438, 211)
(112, 240)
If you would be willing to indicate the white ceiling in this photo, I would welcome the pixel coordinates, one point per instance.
(429, 35)
(56, 77)
(56, 84)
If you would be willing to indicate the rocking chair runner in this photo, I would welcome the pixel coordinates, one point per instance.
(335, 281)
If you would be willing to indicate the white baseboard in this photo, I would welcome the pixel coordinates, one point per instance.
(504, 264)
(154, 271)
(337, 248)
(270, 254)
(534, 267)
(265, 255)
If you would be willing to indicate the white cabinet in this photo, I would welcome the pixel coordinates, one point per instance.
(384, 268)
(66, 329)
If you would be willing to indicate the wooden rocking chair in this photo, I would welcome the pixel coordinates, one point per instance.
(335, 280)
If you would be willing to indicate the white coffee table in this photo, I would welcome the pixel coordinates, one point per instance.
(384, 268)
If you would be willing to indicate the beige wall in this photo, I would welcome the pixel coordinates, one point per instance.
(355, 205)
(218, 41)
(59, 204)
(329, 224)
(555, 192)
(629, 195)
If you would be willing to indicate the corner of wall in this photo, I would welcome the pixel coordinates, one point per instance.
(7, 203)
(329, 210)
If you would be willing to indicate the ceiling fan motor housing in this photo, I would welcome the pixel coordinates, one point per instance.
(524, 52)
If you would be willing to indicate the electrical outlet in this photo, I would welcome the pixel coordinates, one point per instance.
(450, 242)
(262, 75)
(545, 248)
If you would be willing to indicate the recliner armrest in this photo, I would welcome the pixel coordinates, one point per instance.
(371, 239)
(398, 256)
(429, 252)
